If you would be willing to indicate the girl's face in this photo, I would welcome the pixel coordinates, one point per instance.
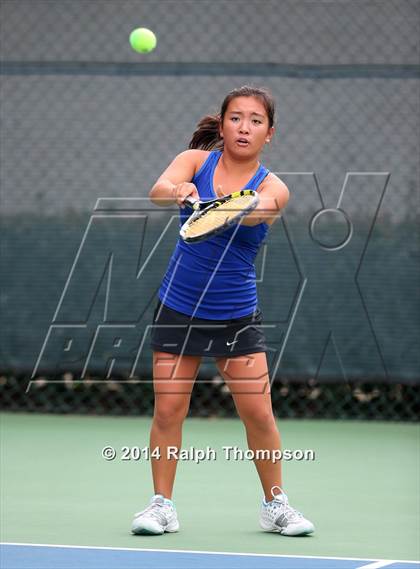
(245, 128)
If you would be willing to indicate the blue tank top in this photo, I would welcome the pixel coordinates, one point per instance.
(215, 279)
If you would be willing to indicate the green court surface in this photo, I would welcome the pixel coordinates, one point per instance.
(361, 491)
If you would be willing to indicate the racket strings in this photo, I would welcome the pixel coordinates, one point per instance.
(219, 215)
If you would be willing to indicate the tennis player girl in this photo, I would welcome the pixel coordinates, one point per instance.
(208, 304)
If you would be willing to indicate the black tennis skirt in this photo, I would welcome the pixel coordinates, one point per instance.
(178, 333)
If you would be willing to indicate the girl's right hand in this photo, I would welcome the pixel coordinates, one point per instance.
(184, 190)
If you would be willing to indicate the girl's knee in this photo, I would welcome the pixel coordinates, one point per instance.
(261, 419)
(169, 415)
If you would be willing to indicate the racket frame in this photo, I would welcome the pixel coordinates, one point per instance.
(201, 208)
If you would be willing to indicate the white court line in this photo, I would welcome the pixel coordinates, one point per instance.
(371, 565)
(376, 564)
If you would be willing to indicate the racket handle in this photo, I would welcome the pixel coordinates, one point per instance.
(190, 202)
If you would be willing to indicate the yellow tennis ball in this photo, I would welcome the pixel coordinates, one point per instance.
(143, 40)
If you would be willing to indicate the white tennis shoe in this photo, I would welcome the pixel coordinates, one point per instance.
(278, 516)
(159, 517)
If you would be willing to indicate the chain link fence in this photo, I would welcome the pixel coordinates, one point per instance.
(307, 399)
(84, 117)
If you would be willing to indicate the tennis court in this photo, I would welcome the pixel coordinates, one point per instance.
(361, 491)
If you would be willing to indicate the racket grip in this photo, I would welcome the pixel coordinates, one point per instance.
(190, 202)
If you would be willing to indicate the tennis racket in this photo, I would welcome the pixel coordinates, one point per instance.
(215, 216)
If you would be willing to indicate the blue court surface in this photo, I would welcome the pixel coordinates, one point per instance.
(28, 556)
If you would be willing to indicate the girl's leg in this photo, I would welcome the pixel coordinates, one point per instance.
(248, 381)
(173, 380)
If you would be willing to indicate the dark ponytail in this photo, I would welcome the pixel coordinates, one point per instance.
(207, 134)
